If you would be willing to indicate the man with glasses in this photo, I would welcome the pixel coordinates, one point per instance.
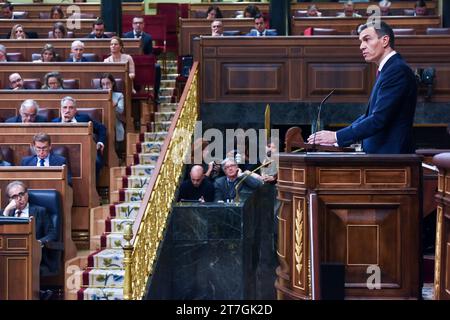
(217, 28)
(19, 206)
(42, 146)
(225, 187)
(28, 112)
(15, 81)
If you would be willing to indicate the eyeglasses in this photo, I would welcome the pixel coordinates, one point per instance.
(41, 148)
(16, 81)
(19, 195)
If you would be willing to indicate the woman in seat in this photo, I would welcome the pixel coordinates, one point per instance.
(53, 81)
(48, 54)
(107, 82)
(117, 55)
(59, 31)
(17, 32)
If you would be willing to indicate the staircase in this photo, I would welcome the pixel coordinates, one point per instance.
(103, 273)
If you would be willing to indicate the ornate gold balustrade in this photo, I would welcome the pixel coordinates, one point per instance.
(144, 237)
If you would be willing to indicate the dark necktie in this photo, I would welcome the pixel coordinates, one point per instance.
(42, 163)
(18, 213)
(138, 35)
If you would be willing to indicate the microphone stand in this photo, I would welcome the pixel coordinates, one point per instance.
(236, 188)
(318, 119)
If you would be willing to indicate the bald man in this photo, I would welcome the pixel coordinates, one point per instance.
(197, 188)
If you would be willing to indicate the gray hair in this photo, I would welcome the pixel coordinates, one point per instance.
(68, 98)
(29, 103)
(14, 184)
(77, 43)
(227, 160)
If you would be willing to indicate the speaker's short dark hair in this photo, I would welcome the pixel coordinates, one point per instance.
(259, 16)
(383, 30)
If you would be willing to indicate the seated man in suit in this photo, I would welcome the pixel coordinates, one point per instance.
(28, 112)
(225, 187)
(217, 28)
(260, 28)
(197, 187)
(19, 206)
(147, 47)
(69, 114)
(42, 145)
(77, 49)
(349, 11)
(7, 10)
(15, 81)
(98, 30)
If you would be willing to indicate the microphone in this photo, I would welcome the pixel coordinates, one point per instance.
(236, 188)
(318, 117)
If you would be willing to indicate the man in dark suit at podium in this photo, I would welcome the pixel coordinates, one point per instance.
(42, 145)
(386, 128)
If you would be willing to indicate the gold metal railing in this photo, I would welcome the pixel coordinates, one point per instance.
(144, 237)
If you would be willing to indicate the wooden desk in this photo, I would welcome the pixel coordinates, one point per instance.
(20, 256)
(43, 26)
(191, 28)
(34, 9)
(294, 69)
(84, 72)
(100, 100)
(228, 9)
(442, 257)
(346, 25)
(331, 8)
(78, 138)
(62, 46)
(365, 211)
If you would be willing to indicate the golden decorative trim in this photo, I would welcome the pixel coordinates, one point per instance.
(437, 259)
(298, 233)
(24, 239)
(404, 171)
(153, 223)
(341, 172)
(282, 223)
(440, 183)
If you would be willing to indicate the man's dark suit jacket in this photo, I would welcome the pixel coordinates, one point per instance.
(92, 36)
(99, 129)
(254, 33)
(387, 125)
(45, 231)
(146, 40)
(18, 119)
(54, 160)
(83, 59)
(222, 190)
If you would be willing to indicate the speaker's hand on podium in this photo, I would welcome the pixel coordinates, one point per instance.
(323, 137)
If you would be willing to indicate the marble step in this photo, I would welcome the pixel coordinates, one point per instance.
(167, 84)
(131, 194)
(165, 99)
(103, 278)
(164, 116)
(146, 158)
(140, 170)
(153, 136)
(101, 294)
(149, 147)
(160, 126)
(136, 182)
(112, 241)
(166, 92)
(125, 210)
(106, 258)
(118, 225)
(167, 107)
(170, 76)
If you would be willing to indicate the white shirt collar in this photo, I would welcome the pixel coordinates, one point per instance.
(72, 121)
(383, 62)
(25, 212)
(46, 161)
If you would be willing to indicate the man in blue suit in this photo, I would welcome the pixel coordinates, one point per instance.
(28, 112)
(386, 127)
(260, 28)
(42, 145)
(69, 115)
(77, 50)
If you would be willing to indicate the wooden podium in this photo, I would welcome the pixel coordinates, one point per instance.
(20, 256)
(360, 211)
